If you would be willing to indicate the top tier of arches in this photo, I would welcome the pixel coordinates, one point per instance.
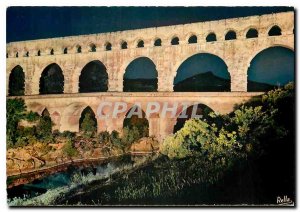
(280, 24)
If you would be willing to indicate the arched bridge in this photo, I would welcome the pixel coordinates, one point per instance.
(235, 41)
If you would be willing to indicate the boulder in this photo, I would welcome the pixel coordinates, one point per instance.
(144, 145)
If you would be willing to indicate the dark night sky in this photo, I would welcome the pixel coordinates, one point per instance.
(28, 23)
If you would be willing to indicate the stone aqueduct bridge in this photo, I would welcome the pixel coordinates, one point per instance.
(65, 109)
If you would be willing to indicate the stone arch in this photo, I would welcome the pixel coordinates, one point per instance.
(92, 47)
(271, 59)
(16, 82)
(38, 53)
(175, 40)
(185, 114)
(157, 42)
(141, 123)
(251, 33)
(211, 37)
(230, 35)
(93, 73)
(192, 39)
(17, 54)
(51, 80)
(65, 50)
(140, 44)
(123, 44)
(52, 52)
(140, 81)
(88, 112)
(78, 49)
(107, 46)
(214, 68)
(275, 30)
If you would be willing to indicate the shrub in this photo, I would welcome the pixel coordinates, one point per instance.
(69, 149)
(32, 116)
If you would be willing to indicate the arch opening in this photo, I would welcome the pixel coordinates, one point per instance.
(78, 49)
(202, 72)
(230, 35)
(175, 41)
(135, 126)
(200, 110)
(275, 31)
(108, 46)
(270, 68)
(140, 76)
(93, 78)
(52, 52)
(124, 45)
(192, 39)
(92, 48)
(39, 53)
(157, 42)
(252, 33)
(66, 50)
(140, 44)
(52, 80)
(211, 37)
(88, 121)
(16, 85)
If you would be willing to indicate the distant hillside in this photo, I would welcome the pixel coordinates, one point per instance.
(140, 85)
(203, 82)
(258, 86)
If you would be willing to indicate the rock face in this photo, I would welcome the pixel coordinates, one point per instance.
(144, 145)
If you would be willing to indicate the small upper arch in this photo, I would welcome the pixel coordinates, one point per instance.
(108, 46)
(211, 37)
(92, 47)
(140, 44)
(78, 49)
(123, 44)
(251, 33)
(157, 42)
(192, 39)
(230, 35)
(275, 30)
(175, 40)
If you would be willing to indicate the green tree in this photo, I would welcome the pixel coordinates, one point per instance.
(88, 125)
(69, 149)
(15, 111)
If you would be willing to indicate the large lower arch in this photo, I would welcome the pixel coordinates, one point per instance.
(52, 80)
(93, 78)
(88, 121)
(16, 85)
(270, 68)
(202, 72)
(140, 76)
(201, 110)
(136, 118)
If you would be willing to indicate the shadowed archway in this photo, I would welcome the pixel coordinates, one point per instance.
(201, 110)
(16, 85)
(88, 121)
(93, 78)
(52, 80)
(202, 72)
(140, 76)
(270, 68)
(137, 125)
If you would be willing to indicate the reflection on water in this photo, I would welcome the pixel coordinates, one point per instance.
(101, 169)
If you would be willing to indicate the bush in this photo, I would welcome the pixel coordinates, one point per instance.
(88, 125)
(32, 116)
(69, 149)
(44, 127)
(104, 137)
(68, 134)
